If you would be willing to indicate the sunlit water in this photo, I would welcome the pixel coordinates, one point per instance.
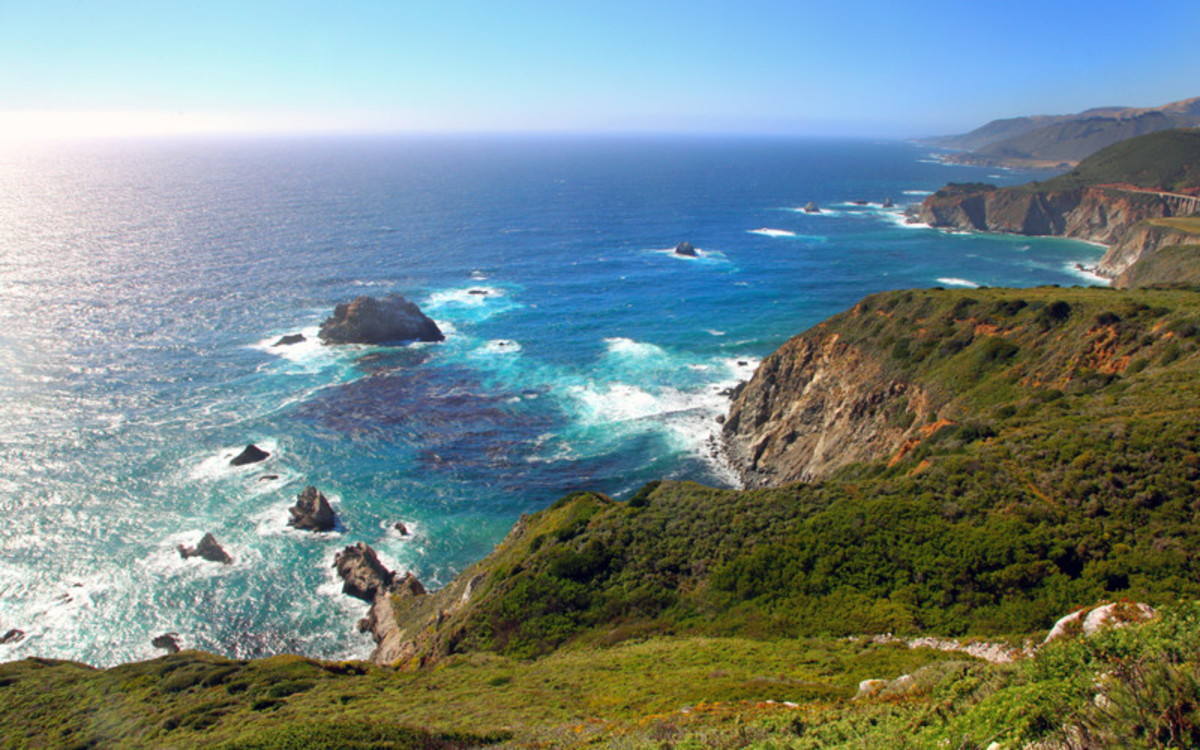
(144, 285)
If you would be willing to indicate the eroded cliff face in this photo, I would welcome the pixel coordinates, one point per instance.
(815, 405)
(1110, 216)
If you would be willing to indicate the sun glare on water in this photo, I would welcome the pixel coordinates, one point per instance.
(23, 126)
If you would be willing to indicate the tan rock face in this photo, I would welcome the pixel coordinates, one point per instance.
(814, 406)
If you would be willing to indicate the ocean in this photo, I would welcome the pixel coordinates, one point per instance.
(144, 285)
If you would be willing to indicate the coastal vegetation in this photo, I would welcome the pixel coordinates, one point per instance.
(1057, 466)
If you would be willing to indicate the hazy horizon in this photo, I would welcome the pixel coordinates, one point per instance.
(872, 69)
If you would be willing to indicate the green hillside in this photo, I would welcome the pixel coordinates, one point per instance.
(1061, 468)
(1167, 160)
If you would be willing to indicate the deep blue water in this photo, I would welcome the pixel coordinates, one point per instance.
(143, 285)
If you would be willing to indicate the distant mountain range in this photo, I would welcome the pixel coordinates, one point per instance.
(1062, 140)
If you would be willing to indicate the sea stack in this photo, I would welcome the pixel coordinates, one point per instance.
(289, 339)
(367, 320)
(811, 208)
(686, 249)
(251, 455)
(887, 203)
(312, 512)
(208, 549)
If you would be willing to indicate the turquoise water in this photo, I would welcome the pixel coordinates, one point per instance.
(143, 285)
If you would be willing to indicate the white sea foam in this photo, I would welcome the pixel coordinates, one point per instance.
(478, 275)
(626, 347)
(473, 296)
(918, 192)
(766, 232)
(217, 467)
(1087, 273)
(952, 281)
(714, 332)
(499, 346)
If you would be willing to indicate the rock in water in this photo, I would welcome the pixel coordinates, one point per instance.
(399, 526)
(291, 338)
(685, 248)
(168, 641)
(367, 320)
(887, 203)
(12, 636)
(312, 512)
(209, 549)
(811, 208)
(363, 576)
(251, 455)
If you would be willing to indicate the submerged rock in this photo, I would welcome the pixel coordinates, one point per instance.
(168, 641)
(291, 338)
(389, 320)
(209, 549)
(685, 248)
(811, 208)
(12, 636)
(312, 511)
(251, 455)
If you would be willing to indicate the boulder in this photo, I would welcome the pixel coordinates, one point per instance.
(685, 248)
(363, 576)
(168, 641)
(12, 636)
(811, 208)
(291, 338)
(399, 526)
(1088, 620)
(251, 455)
(389, 320)
(208, 549)
(312, 511)
(887, 203)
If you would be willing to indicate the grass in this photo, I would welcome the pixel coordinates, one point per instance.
(1188, 224)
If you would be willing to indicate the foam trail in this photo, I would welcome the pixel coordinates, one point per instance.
(766, 232)
(1087, 273)
(952, 281)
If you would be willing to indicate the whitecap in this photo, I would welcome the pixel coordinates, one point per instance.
(479, 275)
(714, 332)
(766, 232)
(499, 346)
(1087, 273)
(952, 281)
(627, 347)
(917, 192)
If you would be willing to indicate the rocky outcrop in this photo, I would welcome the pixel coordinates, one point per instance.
(167, 641)
(208, 549)
(816, 404)
(811, 208)
(251, 455)
(14, 635)
(389, 320)
(364, 577)
(1108, 215)
(312, 512)
(685, 248)
(289, 339)
(1089, 620)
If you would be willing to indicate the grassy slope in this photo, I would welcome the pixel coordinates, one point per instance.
(1066, 471)
(1164, 160)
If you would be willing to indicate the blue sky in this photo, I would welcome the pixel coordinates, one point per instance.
(854, 68)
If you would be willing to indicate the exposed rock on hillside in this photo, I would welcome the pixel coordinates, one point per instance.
(816, 404)
(364, 577)
(367, 320)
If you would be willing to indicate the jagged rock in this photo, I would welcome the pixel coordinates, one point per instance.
(209, 549)
(399, 526)
(811, 208)
(367, 320)
(251, 455)
(312, 511)
(685, 248)
(1088, 620)
(12, 636)
(291, 338)
(887, 203)
(168, 641)
(363, 576)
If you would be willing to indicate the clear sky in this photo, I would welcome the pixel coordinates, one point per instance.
(860, 67)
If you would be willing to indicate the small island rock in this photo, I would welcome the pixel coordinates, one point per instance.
(251, 455)
(685, 248)
(367, 320)
(811, 208)
(312, 511)
(887, 203)
(208, 549)
(399, 526)
(291, 338)
(168, 641)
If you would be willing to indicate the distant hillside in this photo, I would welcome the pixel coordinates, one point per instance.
(1119, 196)
(1054, 140)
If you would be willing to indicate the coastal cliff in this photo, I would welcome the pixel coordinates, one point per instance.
(1114, 198)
